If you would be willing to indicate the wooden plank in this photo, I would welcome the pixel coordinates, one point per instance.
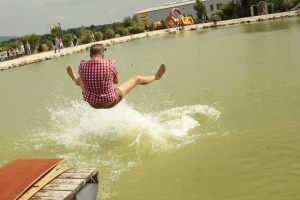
(86, 176)
(58, 187)
(46, 179)
(69, 181)
(67, 185)
(82, 170)
(82, 173)
(50, 194)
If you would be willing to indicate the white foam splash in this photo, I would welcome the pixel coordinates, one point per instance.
(115, 140)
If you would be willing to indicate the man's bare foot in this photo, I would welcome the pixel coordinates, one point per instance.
(160, 72)
(71, 72)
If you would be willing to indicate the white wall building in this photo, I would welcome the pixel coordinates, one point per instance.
(185, 6)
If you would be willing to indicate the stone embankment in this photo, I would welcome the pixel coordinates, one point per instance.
(26, 60)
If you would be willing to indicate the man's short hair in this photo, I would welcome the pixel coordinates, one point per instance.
(97, 49)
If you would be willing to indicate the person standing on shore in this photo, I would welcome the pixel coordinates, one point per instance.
(57, 45)
(27, 45)
(75, 41)
(22, 50)
(98, 76)
(61, 43)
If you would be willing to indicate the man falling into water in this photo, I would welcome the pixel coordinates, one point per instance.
(98, 76)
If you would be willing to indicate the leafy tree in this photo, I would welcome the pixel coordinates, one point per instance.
(135, 19)
(227, 9)
(117, 24)
(82, 31)
(238, 10)
(42, 48)
(92, 27)
(33, 40)
(137, 28)
(15, 43)
(73, 31)
(287, 5)
(214, 18)
(246, 7)
(200, 9)
(122, 31)
(67, 38)
(86, 38)
(109, 33)
(98, 36)
(127, 22)
(56, 32)
(49, 44)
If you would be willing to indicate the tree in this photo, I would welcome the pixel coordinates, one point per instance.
(246, 7)
(109, 33)
(67, 38)
(287, 5)
(200, 9)
(127, 22)
(56, 32)
(214, 18)
(136, 28)
(82, 31)
(122, 31)
(49, 45)
(98, 36)
(33, 40)
(238, 10)
(73, 31)
(92, 27)
(135, 19)
(227, 10)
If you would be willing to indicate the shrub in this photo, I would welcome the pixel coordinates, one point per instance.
(86, 38)
(49, 45)
(137, 28)
(214, 18)
(67, 38)
(33, 40)
(109, 33)
(98, 36)
(122, 31)
(164, 24)
(151, 26)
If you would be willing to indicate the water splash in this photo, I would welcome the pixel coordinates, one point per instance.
(117, 139)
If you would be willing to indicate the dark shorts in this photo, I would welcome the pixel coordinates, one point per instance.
(119, 97)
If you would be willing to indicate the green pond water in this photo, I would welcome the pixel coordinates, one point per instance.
(223, 122)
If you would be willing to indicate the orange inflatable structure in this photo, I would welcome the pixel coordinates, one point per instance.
(181, 21)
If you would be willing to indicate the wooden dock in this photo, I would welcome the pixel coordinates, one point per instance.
(68, 184)
(43, 179)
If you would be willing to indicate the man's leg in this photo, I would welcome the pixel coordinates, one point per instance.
(139, 80)
(74, 77)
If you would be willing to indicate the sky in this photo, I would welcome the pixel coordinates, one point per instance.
(24, 17)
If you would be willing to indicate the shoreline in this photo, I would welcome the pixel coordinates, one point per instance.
(29, 59)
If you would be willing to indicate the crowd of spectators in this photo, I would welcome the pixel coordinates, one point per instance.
(13, 53)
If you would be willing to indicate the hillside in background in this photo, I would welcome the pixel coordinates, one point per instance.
(6, 38)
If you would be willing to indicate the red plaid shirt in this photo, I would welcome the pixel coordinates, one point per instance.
(97, 76)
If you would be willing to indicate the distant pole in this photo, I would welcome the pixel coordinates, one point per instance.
(111, 24)
(43, 38)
